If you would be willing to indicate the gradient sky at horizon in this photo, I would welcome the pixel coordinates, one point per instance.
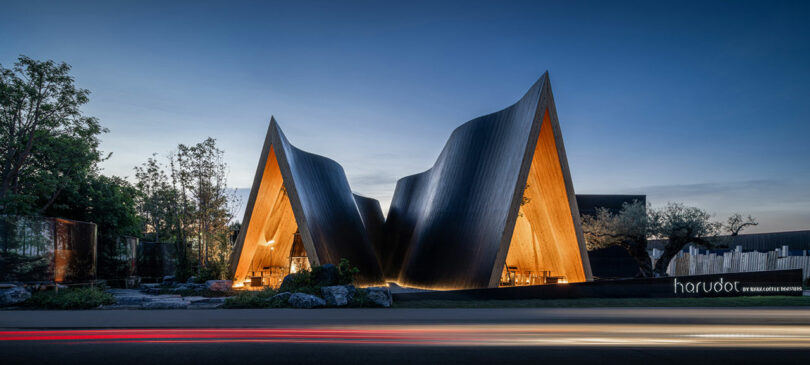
(700, 102)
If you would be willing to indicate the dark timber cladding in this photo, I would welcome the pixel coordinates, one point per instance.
(500, 194)
(299, 199)
(373, 220)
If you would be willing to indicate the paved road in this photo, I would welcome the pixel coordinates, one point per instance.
(412, 336)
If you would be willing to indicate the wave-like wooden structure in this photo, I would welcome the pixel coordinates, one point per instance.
(499, 195)
(300, 210)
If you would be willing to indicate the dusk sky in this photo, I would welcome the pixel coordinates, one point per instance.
(704, 103)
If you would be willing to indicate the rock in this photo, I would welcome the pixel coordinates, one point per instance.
(338, 295)
(327, 275)
(150, 286)
(165, 304)
(287, 283)
(219, 285)
(380, 296)
(131, 300)
(132, 282)
(13, 295)
(281, 297)
(301, 300)
(206, 300)
(168, 280)
(191, 280)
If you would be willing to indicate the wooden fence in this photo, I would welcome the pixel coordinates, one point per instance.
(694, 263)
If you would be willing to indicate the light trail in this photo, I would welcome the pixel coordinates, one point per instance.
(586, 335)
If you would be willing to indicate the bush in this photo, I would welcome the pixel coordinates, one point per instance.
(307, 282)
(253, 299)
(300, 282)
(295, 282)
(347, 272)
(78, 298)
(210, 272)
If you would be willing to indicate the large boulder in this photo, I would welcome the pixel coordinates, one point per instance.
(326, 275)
(12, 294)
(219, 285)
(380, 296)
(301, 300)
(281, 297)
(338, 295)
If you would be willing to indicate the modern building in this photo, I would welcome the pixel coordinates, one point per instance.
(300, 213)
(498, 208)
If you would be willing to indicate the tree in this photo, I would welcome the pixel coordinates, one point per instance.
(680, 225)
(627, 228)
(202, 172)
(157, 202)
(109, 202)
(190, 205)
(736, 223)
(46, 143)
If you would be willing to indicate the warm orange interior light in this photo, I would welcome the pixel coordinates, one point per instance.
(271, 232)
(544, 246)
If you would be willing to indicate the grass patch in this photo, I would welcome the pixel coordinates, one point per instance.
(75, 298)
(770, 301)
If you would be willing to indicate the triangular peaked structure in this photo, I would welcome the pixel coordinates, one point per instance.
(497, 208)
(300, 213)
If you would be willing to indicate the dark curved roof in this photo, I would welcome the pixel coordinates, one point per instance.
(323, 205)
(450, 226)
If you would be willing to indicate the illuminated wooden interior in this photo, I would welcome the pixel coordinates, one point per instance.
(272, 247)
(544, 247)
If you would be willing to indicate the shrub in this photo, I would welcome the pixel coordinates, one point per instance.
(300, 280)
(253, 299)
(347, 272)
(78, 298)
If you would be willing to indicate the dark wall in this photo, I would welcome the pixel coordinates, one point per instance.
(155, 259)
(796, 240)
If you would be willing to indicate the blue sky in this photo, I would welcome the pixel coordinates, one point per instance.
(700, 102)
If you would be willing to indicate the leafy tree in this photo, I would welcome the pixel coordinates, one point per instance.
(191, 205)
(627, 228)
(157, 202)
(680, 225)
(47, 145)
(110, 203)
(736, 223)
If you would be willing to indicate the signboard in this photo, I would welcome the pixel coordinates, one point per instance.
(762, 283)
